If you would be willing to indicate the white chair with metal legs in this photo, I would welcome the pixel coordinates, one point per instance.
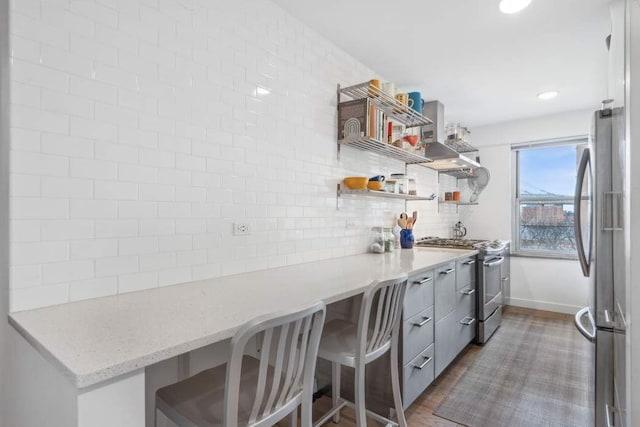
(348, 344)
(254, 392)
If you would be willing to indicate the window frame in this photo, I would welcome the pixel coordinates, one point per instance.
(516, 201)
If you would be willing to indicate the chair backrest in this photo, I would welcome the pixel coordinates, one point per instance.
(290, 342)
(380, 315)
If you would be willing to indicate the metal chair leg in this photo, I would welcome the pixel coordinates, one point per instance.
(335, 389)
(360, 407)
(395, 384)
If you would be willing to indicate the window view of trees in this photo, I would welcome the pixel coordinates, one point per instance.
(546, 182)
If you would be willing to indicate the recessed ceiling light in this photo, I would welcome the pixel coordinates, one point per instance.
(513, 6)
(548, 95)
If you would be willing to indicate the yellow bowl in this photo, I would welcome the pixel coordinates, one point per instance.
(375, 185)
(356, 182)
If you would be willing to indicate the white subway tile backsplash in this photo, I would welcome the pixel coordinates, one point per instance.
(59, 272)
(114, 190)
(24, 185)
(116, 228)
(37, 119)
(92, 209)
(137, 245)
(113, 266)
(93, 288)
(157, 227)
(92, 89)
(138, 209)
(63, 60)
(25, 95)
(87, 47)
(22, 230)
(38, 252)
(67, 229)
(142, 129)
(68, 146)
(133, 173)
(93, 248)
(25, 276)
(70, 188)
(156, 262)
(92, 129)
(137, 282)
(38, 208)
(95, 169)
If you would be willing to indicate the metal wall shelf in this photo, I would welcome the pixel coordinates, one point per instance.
(378, 194)
(384, 149)
(455, 203)
(387, 103)
(460, 145)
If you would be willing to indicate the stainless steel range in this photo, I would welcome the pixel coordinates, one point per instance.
(493, 272)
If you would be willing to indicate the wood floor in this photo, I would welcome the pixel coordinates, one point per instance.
(420, 413)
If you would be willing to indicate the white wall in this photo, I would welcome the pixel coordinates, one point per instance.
(556, 285)
(141, 130)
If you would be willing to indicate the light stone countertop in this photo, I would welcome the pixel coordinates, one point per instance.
(96, 340)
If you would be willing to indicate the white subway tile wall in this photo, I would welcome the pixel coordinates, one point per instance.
(143, 129)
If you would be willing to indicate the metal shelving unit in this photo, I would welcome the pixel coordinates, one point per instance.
(387, 103)
(451, 202)
(341, 192)
(384, 149)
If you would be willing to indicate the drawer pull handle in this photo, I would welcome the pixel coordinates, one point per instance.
(468, 291)
(425, 320)
(423, 281)
(423, 364)
(469, 262)
(494, 261)
(449, 271)
(468, 321)
(505, 279)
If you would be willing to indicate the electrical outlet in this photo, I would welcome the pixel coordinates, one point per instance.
(241, 229)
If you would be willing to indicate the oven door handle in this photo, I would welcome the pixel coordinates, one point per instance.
(493, 262)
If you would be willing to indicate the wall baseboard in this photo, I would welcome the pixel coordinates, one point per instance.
(542, 305)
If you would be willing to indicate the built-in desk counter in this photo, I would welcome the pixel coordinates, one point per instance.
(100, 347)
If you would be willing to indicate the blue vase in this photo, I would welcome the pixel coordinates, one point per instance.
(406, 238)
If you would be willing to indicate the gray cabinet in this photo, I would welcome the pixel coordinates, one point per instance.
(416, 350)
(455, 311)
(444, 290)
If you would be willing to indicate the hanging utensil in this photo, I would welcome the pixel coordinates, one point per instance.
(415, 217)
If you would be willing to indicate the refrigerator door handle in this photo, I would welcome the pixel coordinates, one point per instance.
(577, 223)
(590, 335)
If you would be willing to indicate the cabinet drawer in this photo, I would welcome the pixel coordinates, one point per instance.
(419, 294)
(465, 272)
(418, 374)
(417, 334)
(466, 300)
(452, 334)
(444, 290)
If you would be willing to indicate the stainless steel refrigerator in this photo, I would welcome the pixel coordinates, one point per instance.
(599, 219)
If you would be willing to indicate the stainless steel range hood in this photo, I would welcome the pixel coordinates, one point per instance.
(444, 157)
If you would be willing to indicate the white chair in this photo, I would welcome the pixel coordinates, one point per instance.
(254, 392)
(345, 343)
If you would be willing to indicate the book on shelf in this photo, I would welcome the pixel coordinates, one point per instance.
(361, 118)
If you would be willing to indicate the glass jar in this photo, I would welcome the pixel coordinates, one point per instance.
(402, 183)
(376, 240)
(413, 187)
(389, 241)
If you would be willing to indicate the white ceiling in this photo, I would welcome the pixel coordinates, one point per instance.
(485, 66)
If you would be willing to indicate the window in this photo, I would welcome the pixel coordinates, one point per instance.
(545, 180)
